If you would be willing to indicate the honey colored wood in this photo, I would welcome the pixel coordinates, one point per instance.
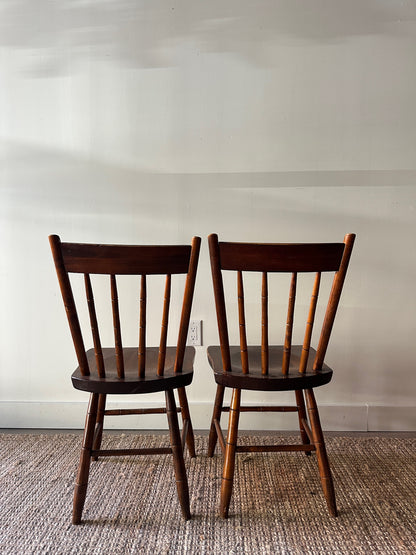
(215, 422)
(309, 324)
(287, 367)
(117, 369)
(94, 326)
(229, 456)
(117, 329)
(187, 432)
(264, 325)
(242, 323)
(142, 328)
(164, 330)
(289, 325)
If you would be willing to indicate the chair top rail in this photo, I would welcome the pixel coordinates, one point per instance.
(280, 257)
(125, 259)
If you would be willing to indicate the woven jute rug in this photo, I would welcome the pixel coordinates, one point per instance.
(277, 504)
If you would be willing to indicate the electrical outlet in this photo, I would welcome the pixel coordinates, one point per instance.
(195, 333)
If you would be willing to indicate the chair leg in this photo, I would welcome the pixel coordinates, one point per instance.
(81, 483)
(300, 402)
(186, 421)
(99, 425)
(230, 450)
(179, 464)
(323, 463)
(212, 440)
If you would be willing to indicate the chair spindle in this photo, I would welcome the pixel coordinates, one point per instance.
(309, 324)
(264, 326)
(242, 323)
(289, 325)
(142, 327)
(117, 328)
(164, 330)
(94, 327)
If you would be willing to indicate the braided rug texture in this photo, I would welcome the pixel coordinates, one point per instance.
(277, 504)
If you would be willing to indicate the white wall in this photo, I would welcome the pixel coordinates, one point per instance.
(127, 121)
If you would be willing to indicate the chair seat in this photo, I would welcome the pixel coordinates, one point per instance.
(274, 380)
(131, 383)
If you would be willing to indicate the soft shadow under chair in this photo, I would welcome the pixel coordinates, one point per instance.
(130, 370)
(264, 367)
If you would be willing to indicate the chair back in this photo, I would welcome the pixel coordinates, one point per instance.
(269, 258)
(113, 261)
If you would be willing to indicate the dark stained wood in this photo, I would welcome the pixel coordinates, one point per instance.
(274, 448)
(242, 323)
(142, 327)
(94, 327)
(289, 325)
(69, 303)
(117, 328)
(187, 303)
(164, 327)
(216, 416)
(125, 259)
(264, 408)
(333, 301)
(114, 369)
(220, 435)
(309, 324)
(129, 452)
(179, 464)
(264, 325)
(275, 380)
(81, 482)
(278, 257)
(287, 367)
(214, 253)
(319, 442)
(187, 433)
(99, 424)
(121, 412)
(229, 456)
(301, 410)
(132, 383)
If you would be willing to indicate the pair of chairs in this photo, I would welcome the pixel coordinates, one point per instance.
(106, 371)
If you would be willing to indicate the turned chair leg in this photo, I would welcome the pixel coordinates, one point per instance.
(179, 464)
(186, 422)
(81, 482)
(230, 450)
(213, 436)
(300, 402)
(99, 425)
(323, 463)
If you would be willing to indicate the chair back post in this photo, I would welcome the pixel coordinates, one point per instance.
(187, 303)
(69, 303)
(333, 302)
(214, 252)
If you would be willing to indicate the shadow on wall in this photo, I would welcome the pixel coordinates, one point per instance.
(59, 35)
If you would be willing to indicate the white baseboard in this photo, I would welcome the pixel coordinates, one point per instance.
(18, 414)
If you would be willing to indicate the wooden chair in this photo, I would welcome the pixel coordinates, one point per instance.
(129, 370)
(297, 368)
